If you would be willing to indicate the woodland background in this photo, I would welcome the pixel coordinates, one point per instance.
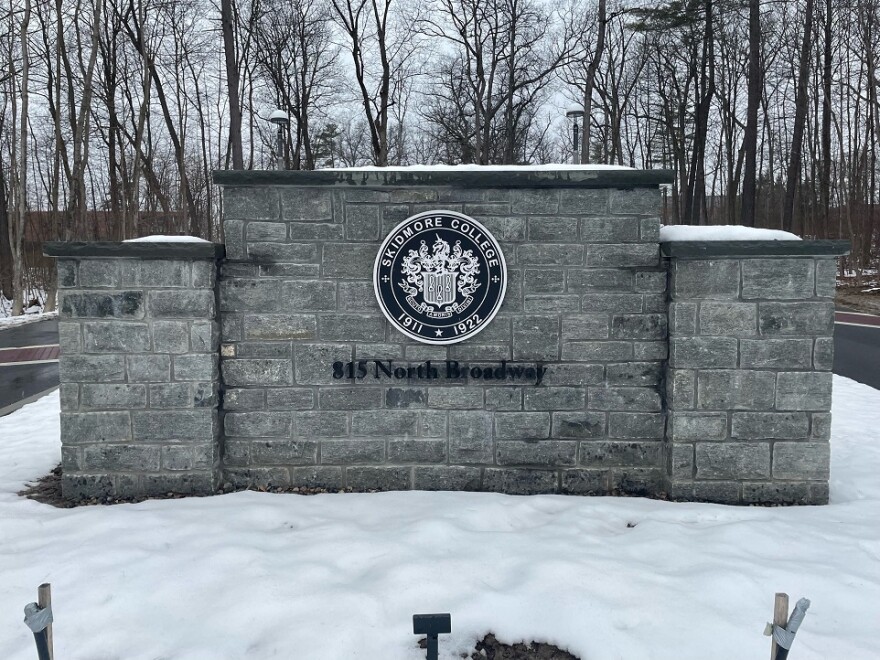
(113, 113)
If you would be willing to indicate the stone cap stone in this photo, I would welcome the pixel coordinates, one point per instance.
(143, 250)
(734, 249)
(465, 178)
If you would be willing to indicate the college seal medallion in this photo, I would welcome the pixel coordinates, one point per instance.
(440, 277)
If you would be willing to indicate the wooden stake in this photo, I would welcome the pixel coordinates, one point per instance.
(780, 618)
(44, 600)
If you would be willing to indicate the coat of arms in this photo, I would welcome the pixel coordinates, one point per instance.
(440, 276)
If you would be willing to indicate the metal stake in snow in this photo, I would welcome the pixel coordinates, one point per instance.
(784, 633)
(39, 620)
(432, 625)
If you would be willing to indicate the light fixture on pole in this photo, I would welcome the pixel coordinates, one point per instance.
(574, 115)
(279, 118)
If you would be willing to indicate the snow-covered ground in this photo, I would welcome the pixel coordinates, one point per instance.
(30, 317)
(723, 233)
(251, 575)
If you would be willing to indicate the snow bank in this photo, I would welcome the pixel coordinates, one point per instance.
(548, 167)
(251, 575)
(159, 238)
(29, 317)
(723, 233)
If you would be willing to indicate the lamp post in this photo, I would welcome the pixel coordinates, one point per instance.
(575, 115)
(279, 118)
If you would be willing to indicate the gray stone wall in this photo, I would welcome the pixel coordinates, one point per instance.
(586, 294)
(749, 378)
(139, 376)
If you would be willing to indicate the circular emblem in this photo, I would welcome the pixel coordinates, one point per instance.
(440, 277)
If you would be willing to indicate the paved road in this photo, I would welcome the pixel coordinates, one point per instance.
(857, 347)
(39, 372)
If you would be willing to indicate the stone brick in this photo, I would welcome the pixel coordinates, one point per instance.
(237, 399)
(67, 270)
(311, 270)
(69, 397)
(636, 201)
(775, 353)
(693, 426)
(116, 337)
(95, 273)
(622, 255)
(193, 303)
(504, 398)
(263, 349)
(257, 478)
(778, 278)
(204, 274)
(552, 229)
(728, 318)
(322, 424)
(681, 389)
(91, 368)
(290, 398)
(258, 424)
(681, 461)
(148, 368)
(174, 425)
(357, 297)
(585, 482)
(378, 478)
(196, 366)
(91, 427)
(520, 481)
(251, 203)
(599, 279)
(140, 458)
(702, 352)
(711, 279)
(384, 422)
(770, 426)
(823, 353)
(314, 362)
(618, 303)
(736, 389)
(544, 253)
(544, 280)
(578, 425)
(468, 351)
(682, 318)
(306, 205)
(505, 229)
(304, 231)
(406, 397)
(113, 396)
(777, 493)
(620, 454)
(352, 452)
(317, 477)
(284, 452)
(555, 398)
(238, 373)
(271, 253)
(826, 277)
(634, 399)
(801, 460)
(609, 230)
(597, 351)
(470, 437)
(171, 395)
(803, 391)
(152, 273)
(717, 492)
(796, 318)
(636, 425)
(447, 477)
(636, 482)
(634, 374)
(233, 235)
(522, 425)
(573, 374)
(351, 398)
(535, 338)
(649, 351)
(412, 450)
(247, 295)
(552, 304)
(651, 282)
(266, 231)
(170, 336)
(584, 201)
(348, 260)
(545, 453)
(585, 326)
(351, 327)
(527, 201)
(277, 327)
(432, 424)
(638, 326)
(820, 426)
(70, 337)
(733, 460)
(117, 305)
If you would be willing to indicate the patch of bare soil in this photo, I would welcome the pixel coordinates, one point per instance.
(860, 298)
(490, 648)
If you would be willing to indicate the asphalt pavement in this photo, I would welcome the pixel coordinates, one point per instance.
(857, 347)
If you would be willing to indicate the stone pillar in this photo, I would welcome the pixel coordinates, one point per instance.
(139, 368)
(749, 372)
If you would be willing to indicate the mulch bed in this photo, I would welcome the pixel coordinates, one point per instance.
(489, 648)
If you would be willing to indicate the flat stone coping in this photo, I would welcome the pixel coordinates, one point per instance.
(466, 178)
(139, 250)
(732, 249)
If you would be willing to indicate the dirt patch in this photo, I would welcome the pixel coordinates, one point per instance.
(861, 299)
(489, 648)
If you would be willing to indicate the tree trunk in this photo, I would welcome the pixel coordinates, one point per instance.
(590, 82)
(750, 137)
(16, 237)
(232, 83)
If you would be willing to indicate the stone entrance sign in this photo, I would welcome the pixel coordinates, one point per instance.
(532, 336)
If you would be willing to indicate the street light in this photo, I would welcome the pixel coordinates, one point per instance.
(574, 115)
(279, 118)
